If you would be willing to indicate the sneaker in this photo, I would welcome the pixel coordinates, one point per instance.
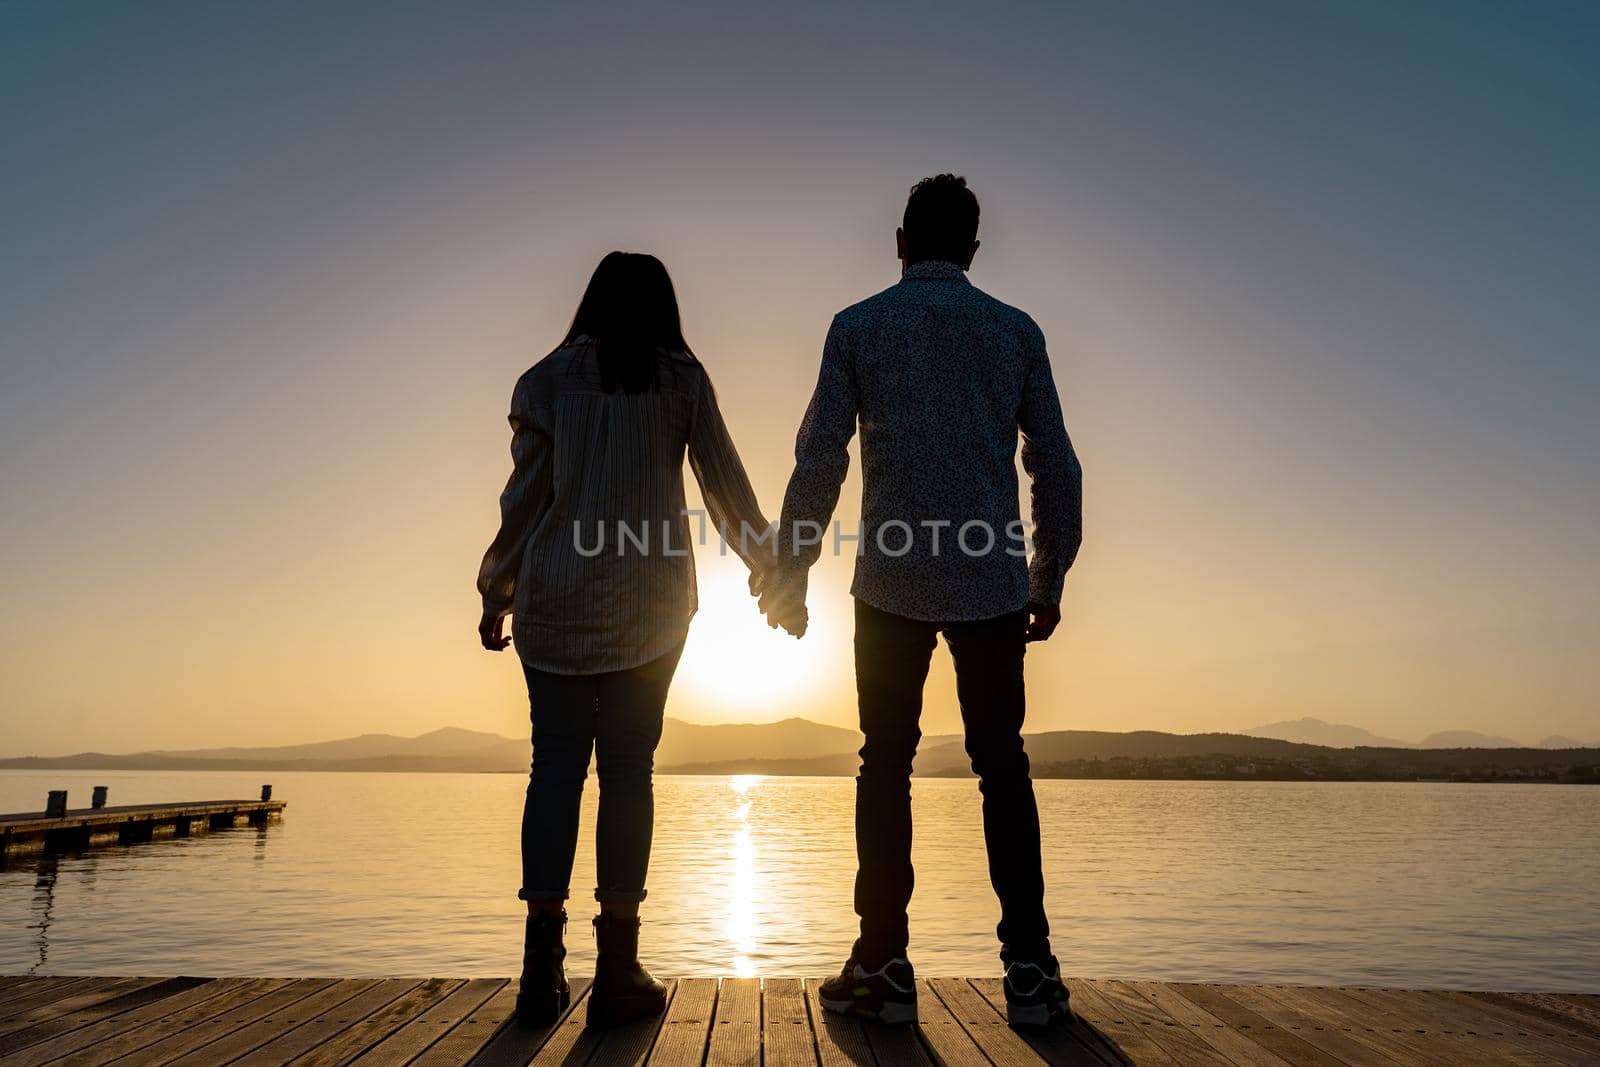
(886, 995)
(1035, 993)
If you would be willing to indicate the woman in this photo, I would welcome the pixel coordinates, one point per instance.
(593, 562)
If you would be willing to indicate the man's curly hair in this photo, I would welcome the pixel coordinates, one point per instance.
(941, 219)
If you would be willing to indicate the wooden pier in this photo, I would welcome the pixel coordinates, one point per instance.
(777, 1022)
(81, 828)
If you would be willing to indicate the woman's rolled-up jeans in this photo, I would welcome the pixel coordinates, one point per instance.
(617, 717)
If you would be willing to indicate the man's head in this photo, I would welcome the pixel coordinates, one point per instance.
(941, 222)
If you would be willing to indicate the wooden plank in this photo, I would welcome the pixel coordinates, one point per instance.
(1285, 1043)
(1397, 1039)
(786, 1025)
(1476, 1017)
(202, 1034)
(841, 1041)
(1514, 1020)
(1391, 1009)
(513, 1043)
(85, 1037)
(142, 991)
(308, 1035)
(569, 1042)
(469, 1037)
(253, 1035)
(1346, 1043)
(947, 1040)
(736, 1026)
(1233, 1045)
(32, 992)
(1484, 1045)
(1071, 1043)
(68, 999)
(986, 1027)
(1555, 1010)
(413, 1037)
(1174, 1037)
(1129, 1038)
(630, 1045)
(359, 1036)
(682, 1041)
(234, 992)
(893, 1046)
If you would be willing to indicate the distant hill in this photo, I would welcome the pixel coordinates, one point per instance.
(448, 741)
(1317, 732)
(1467, 739)
(1340, 735)
(1562, 741)
(1061, 746)
(839, 765)
(684, 742)
(453, 749)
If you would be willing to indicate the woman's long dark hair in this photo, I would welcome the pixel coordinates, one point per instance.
(631, 312)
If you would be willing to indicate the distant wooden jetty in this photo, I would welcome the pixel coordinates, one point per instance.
(777, 1022)
(58, 828)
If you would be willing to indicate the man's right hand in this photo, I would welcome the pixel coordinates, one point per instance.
(1042, 621)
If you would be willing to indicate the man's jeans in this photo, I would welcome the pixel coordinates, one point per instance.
(892, 656)
(616, 716)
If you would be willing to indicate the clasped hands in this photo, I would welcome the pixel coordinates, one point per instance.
(782, 598)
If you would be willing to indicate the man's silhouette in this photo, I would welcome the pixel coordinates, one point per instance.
(941, 377)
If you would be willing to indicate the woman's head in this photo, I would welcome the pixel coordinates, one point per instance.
(631, 311)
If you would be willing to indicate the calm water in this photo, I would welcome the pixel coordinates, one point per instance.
(371, 874)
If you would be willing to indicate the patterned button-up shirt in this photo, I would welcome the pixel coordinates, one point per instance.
(941, 377)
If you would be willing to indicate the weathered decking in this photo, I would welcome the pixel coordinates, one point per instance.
(81, 828)
(775, 1021)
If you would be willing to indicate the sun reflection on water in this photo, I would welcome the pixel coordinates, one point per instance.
(742, 924)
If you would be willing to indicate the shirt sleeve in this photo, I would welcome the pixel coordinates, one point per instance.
(526, 497)
(1057, 480)
(724, 484)
(822, 458)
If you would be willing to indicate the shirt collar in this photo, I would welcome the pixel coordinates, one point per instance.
(941, 270)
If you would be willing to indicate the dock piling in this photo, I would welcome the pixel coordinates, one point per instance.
(55, 806)
(99, 799)
(266, 793)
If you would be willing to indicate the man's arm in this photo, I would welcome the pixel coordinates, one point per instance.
(1056, 491)
(822, 459)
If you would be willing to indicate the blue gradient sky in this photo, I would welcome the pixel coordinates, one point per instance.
(1318, 280)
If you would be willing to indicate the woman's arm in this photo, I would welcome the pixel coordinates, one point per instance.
(526, 496)
(724, 484)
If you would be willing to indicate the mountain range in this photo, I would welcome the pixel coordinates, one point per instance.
(1339, 735)
(798, 746)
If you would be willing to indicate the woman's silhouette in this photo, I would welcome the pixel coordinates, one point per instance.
(593, 562)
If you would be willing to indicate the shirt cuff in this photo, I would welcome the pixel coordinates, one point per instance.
(1045, 587)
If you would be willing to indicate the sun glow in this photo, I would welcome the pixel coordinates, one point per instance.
(735, 662)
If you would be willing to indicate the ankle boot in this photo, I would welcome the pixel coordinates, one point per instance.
(543, 994)
(622, 990)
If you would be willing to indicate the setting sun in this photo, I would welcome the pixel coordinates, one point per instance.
(735, 663)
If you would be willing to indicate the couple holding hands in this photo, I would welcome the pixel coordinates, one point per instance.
(941, 379)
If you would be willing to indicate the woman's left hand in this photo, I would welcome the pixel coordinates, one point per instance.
(490, 631)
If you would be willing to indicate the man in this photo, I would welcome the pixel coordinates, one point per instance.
(941, 378)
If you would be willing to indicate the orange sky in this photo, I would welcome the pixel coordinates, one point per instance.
(271, 278)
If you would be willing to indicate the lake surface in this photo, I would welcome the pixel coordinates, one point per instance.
(1460, 886)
